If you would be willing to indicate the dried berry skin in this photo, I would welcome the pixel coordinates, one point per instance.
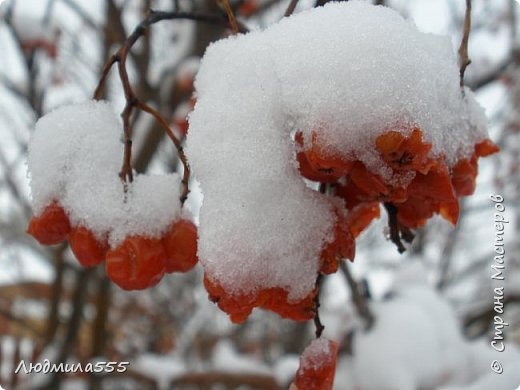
(50, 227)
(86, 247)
(343, 246)
(137, 263)
(180, 244)
(239, 307)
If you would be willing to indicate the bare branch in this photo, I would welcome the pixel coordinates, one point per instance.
(358, 298)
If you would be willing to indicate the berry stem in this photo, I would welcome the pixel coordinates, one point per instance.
(132, 101)
(464, 60)
(317, 321)
(397, 230)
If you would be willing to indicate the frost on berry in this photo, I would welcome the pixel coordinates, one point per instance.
(348, 94)
(317, 366)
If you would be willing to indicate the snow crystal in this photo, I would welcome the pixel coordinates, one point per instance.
(316, 354)
(75, 156)
(350, 70)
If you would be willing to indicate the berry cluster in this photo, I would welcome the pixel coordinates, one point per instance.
(137, 263)
(435, 188)
(317, 366)
(239, 307)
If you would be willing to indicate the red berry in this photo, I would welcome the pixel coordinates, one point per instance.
(180, 244)
(137, 263)
(486, 148)
(317, 366)
(86, 247)
(50, 227)
(343, 246)
(361, 216)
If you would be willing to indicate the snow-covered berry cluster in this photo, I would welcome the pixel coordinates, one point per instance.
(138, 229)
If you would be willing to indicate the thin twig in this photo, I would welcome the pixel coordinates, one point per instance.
(180, 150)
(358, 298)
(132, 101)
(230, 15)
(290, 8)
(464, 60)
(317, 321)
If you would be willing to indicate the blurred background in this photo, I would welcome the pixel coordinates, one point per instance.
(418, 321)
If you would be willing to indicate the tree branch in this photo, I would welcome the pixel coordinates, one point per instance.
(358, 298)
(464, 60)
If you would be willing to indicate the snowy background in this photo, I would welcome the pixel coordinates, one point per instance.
(432, 306)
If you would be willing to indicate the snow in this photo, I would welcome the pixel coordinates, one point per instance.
(74, 158)
(226, 359)
(316, 355)
(366, 71)
(161, 368)
(415, 343)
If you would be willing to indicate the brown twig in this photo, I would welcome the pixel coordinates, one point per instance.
(464, 60)
(132, 101)
(230, 15)
(317, 321)
(357, 297)
(290, 8)
(180, 150)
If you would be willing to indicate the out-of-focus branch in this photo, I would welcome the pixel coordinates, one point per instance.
(447, 251)
(478, 322)
(21, 322)
(81, 13)
(359, 300)
(78, 305)
(229, 380)
(57, 293)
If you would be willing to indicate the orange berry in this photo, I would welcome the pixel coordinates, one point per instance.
(402, 153)
(86, 247)
(343, 246)
(180, 244)
(371, 184)
(137, 263)
(323, 161)
(50, 227)
(361, 216)
(463, 176)
(317, 366)
(486, 148)
(319, 168)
